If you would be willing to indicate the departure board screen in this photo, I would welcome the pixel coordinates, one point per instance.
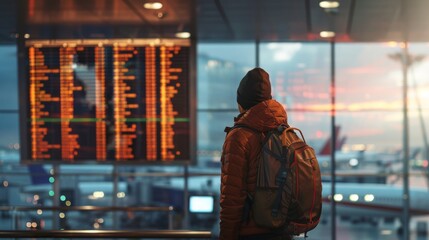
(117, 101)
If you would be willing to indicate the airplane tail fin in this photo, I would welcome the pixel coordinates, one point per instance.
(38, 174)
(326, 149)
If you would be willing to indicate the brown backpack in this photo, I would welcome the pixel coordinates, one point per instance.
(288, 192)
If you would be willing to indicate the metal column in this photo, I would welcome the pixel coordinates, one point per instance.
(333, 140)
(406, 190)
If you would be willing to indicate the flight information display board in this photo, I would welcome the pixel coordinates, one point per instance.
(117, 101)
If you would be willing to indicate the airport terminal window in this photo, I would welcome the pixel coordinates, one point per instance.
(220, 68)
(419, 94)
(369, 87)
(211, 135)
(219, 71)
(8, 78)
(9, 131)
(300, 79)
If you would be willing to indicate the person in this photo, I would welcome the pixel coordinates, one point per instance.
(258, 113)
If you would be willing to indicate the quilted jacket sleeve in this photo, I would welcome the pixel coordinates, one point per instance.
(233, 183)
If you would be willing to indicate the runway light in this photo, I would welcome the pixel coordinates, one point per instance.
(39, 211)
(386, 232)
(354, 197)
(34, 224)
(369, 198)
(5, 183)
(62, 215)
(120, 194)
(51, 193)
(338, 197)
(36, 197)
(153, 5)
(329, 4)
(28, 224)
(63, 198)
(327, 34)
(51, 179)
(68, 203)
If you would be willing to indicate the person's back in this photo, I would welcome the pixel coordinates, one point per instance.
(258, 113)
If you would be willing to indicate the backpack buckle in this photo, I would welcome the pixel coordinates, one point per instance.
(281, 177)
(281, 128)
(274, 212)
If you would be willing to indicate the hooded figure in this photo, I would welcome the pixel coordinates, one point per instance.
(258, 113)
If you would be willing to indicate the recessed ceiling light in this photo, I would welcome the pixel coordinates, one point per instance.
(327, 34)
(329, 4)
(183, 35)
(152, 5)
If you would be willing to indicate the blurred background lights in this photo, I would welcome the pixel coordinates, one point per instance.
(327, 34)
(98, 194)
(96, 225)
(354, 197)
(369, 197)
(338, 197)
(329, 4)
(153, 5)
(183, 34)
(353, 162)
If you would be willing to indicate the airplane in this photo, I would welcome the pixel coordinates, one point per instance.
(374, 200)
(353, 159)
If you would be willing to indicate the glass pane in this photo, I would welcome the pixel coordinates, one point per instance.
(9, 133)
(9, 77)
(299, 73)
(211, 136)
(370, 116)
(419, 111)
(220, 69)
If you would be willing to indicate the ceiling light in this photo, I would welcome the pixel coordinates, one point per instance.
(153, 5)
(329, 4)
(183, 35)
(327, 34)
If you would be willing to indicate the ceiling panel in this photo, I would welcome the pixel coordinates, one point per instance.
(218, 20)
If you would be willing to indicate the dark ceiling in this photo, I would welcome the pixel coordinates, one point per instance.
(215, 20)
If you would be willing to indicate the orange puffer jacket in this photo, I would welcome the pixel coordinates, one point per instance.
(239, 156)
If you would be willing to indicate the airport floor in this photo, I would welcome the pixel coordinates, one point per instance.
(345, 231)
(358, 231)
(361, 231)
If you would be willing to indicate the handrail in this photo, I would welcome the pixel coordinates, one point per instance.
(106, 234)
(168, 209)
(88, 208)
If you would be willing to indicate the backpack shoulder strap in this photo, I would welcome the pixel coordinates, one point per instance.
(229, 129)
(297, 129)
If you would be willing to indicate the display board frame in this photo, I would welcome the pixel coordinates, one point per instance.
(23, 74)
